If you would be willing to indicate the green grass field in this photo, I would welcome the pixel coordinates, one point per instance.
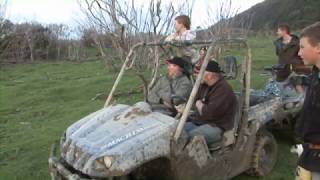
(39, 101)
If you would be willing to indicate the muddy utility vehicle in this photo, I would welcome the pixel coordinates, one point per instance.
(291, 100)
(136, 142)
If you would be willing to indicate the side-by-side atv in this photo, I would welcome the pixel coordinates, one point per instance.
(291, 99)
(137, 142)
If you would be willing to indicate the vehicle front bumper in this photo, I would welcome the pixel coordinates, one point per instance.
(58, 169)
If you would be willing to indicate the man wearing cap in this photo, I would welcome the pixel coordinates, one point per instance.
(175, 83)
(215, 104)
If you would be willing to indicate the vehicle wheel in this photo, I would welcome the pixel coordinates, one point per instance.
(264, 156)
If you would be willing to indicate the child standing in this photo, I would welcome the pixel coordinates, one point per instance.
(308, 127)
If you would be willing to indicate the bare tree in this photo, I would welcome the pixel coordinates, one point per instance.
(16, 46)
(3, 8)
(29, 35)
(128, 22)
(222, 21)
(36, 38)
(94, 37)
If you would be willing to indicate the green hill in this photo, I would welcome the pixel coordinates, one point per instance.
(269, 13)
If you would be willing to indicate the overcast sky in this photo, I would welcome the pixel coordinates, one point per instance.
(66, 11)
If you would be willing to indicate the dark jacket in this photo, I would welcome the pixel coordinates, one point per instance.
(308, 126)
(287, 54)
(220, 103)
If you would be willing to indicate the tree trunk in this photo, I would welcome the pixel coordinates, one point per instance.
(77, 53)
(31, 55)
(101, 50)
(69, 52)
(30, 45)
(58, 52)
(47, 53)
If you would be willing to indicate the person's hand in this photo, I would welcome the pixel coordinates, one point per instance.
(199, 105)
(166, 103)
(171, 37)
(297, 149)
(180, 108)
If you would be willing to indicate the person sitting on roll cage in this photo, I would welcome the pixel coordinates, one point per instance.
(215, 105)
(174, 88)
(183, 32)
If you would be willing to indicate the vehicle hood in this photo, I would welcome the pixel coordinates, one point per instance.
(130, 135)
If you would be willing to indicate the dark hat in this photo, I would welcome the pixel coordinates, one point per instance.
(177, 61)
(213, 67)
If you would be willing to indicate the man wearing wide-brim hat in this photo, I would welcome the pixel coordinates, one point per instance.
(175, 83)
(215, 104)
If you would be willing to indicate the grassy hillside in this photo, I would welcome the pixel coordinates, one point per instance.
(39, 101)
(269, 13)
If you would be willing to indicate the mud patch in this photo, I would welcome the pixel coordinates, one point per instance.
(132, 114)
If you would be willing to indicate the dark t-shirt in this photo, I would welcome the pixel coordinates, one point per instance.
(287, 54)
(308, 126)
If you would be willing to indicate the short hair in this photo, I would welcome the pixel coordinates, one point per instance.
(284, 27)
(185, 20)
(312, 32)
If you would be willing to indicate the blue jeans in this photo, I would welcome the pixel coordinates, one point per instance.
(210, 133)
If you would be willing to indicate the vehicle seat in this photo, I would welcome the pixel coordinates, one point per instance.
(230, 67)
(229, 136)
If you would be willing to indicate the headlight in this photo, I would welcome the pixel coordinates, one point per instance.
(103, 163)
(99, 165)
(108, 161)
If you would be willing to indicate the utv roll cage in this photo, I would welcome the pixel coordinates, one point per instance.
(245, 75)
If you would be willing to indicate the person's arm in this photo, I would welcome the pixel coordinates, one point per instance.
(153, 96)
(276, 45)
(170, 37)
(199, 93)
(164, 93)
(183, 90)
